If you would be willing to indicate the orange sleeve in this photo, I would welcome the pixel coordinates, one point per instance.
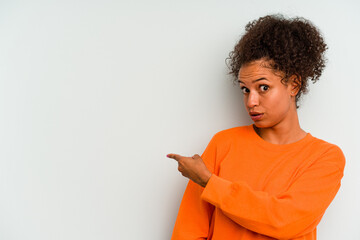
(291, 214)
(194, 216)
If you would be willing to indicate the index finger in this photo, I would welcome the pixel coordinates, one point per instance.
(174, 156)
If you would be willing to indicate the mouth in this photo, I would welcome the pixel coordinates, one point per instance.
(256, 116)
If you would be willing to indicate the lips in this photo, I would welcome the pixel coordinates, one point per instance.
(256, 116)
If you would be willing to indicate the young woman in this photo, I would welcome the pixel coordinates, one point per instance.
(272, 179)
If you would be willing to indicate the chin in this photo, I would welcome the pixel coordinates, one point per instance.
(261, 124)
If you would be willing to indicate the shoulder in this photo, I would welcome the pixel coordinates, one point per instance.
(228, 137)
(325, 146)
(329, 152)
(232, 133)
(235, 131)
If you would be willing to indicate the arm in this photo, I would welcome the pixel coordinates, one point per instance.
(287, 215)
(193, 220)
(194, 216)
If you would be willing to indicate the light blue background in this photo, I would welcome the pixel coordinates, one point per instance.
(94, 94)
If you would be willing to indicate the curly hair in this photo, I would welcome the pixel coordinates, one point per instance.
(292, 46)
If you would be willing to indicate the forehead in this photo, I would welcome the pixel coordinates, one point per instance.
(256, 69)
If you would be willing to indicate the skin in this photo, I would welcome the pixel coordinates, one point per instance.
(264, 94)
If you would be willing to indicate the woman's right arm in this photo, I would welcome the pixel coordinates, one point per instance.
(194, 217)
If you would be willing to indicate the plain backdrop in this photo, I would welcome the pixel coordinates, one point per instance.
(94, 94)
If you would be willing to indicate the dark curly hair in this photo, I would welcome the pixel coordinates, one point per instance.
(292, 46)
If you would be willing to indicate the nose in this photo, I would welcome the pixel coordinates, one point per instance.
(252, 100)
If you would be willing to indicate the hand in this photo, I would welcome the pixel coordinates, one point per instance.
(193, 168)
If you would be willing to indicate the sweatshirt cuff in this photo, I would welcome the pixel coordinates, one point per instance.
(215, 189)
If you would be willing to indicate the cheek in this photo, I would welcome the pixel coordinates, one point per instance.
(278, 102)
(245, 99)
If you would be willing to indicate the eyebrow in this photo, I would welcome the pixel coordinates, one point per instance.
(256, 80)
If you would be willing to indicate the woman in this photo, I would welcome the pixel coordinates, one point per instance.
(269, 180)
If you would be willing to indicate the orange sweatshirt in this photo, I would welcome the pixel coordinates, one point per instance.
(260, 190)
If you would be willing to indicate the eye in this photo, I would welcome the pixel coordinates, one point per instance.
(245, 90)
(264, 88)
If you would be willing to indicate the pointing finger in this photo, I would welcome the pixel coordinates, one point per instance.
(174, 156)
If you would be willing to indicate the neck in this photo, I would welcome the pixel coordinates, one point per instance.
(285, 132)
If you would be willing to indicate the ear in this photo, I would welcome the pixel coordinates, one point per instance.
(295, 84)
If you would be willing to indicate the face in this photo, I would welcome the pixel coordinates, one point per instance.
(268, 101)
